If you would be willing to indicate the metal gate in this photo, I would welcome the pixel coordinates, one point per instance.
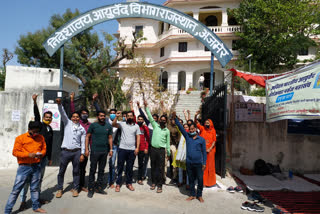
(215, 108)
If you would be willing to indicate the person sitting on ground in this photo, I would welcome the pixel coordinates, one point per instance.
(29, 148)
(101, 133)
(73, 149)
(143, 148)
(196, 158)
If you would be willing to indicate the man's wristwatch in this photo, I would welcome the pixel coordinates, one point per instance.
(111, 150)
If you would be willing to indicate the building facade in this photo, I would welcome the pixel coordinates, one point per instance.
(179, 57)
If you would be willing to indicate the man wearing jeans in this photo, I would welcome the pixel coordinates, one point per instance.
(101, 133)
(196, 158)
(47, 132)
(128, 149)
(29, 148)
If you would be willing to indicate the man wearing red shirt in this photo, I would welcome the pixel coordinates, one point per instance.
(143, 149)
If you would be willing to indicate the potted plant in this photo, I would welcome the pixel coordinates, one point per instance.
(188, 92)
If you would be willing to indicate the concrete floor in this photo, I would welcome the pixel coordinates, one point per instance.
(142, 200)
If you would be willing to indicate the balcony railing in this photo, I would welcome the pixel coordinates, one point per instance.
(215, 29)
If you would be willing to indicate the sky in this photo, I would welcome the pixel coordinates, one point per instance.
(18, 17)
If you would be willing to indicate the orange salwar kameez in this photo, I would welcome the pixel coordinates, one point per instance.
(209, 174)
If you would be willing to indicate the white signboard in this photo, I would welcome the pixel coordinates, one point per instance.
(294, 96)
(56, 117)
(15, 115)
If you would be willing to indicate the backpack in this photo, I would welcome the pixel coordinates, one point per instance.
(261, 168)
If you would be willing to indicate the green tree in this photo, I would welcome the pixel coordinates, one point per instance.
(6, 57)
(274, 31)
(86, 56)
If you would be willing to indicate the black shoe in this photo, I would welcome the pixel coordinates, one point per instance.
(101, 191)
(90, 193)
(257, 208)
(246, 205)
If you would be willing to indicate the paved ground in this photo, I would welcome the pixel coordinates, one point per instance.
(142, 201)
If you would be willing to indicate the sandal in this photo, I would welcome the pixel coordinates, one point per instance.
(130, 187)
(140, 182)
(159, 190)
(117, 188)
(153, 187)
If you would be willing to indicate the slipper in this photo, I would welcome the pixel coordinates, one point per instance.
(153, 187)
(117, 188)
(130, 187)
(159, 190)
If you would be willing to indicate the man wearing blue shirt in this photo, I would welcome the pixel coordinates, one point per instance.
(196, 158)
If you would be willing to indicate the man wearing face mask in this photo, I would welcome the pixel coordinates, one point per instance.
(159, 145)
(47, 132)
(196, 158)
(143, 148)
(73, 149)
(128, 149)
(29, 148)
(84, 122)
(208, 132)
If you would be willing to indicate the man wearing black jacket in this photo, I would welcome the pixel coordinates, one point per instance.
(47, 132)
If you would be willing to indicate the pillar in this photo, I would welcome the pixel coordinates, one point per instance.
(189, 79)
(224, 18)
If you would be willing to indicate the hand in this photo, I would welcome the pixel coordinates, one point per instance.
(34, 97)
(72, 96)
(94, 96)
(136, 151)
(81, 158)
(168, 157)
(118, 113)
(146, 151)
(174, 115)
(110, 153)
(208, 150)
(32, 155)
(145, 103)
(131, 103)
(188, 111)
(184, 111)
(198, 112)
(39, 155)
(86, 153)
(138, 104)
(203, 167)
(58, 101)
(161, 102)
(50, 163)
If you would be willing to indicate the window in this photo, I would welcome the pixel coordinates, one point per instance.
(162, 52)
(139, 30)
(234, 44)
(183, 46)
(161, 28)
(211, 21)
(304, 52)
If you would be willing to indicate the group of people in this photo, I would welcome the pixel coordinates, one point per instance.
(190, 147)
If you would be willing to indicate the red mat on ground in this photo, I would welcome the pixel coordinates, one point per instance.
(294, 202)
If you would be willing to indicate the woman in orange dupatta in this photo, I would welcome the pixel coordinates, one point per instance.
(209, 134)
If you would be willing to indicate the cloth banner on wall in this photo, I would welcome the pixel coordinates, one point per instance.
(294, 96)
(56, 117)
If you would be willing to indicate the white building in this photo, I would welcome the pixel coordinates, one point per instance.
(180, 56)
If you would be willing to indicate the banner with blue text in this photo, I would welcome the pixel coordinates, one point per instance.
(294, 96)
